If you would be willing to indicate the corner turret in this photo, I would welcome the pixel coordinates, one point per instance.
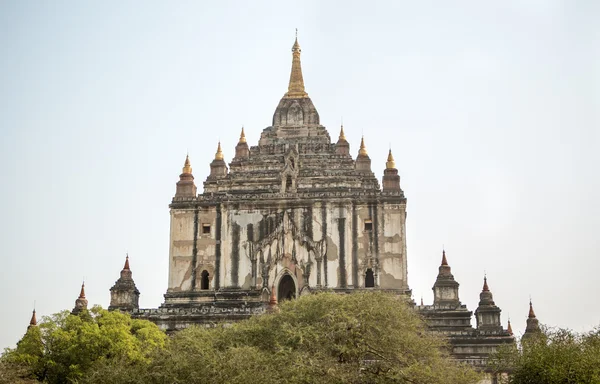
(218, 168)
(342, 147)
(487, 313)
(363, 161)
(533, 324)
(124, 295)
(391, 180)
(241, 149)
(185, 185)
(445, 289)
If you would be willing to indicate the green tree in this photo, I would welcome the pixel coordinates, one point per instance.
(64, 347)
(555, 356)
(358, 338)
(14, 373)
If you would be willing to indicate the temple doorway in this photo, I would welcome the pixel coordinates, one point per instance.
(204, 282)
(287, 288)
(369, 279)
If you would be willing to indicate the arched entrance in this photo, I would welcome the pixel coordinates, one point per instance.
(204, 281)
(287, 288)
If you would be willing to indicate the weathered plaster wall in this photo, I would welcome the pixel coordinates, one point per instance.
(180, 250)
(295, 237)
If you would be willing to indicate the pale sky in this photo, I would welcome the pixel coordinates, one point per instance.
(491, 110)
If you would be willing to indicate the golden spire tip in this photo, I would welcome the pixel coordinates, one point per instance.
(187, 167)
(342, 134)
(390, 163)
(219, 154)
(363, 149)
(296, 85)
(243, 136)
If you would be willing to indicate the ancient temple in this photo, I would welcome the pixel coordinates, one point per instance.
(293, 215)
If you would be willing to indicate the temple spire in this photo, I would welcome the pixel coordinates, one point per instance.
(295, 109)
(390, 163)
(33, 321)
(81, 303)
(241, 149)
(531, 313)
(533, 324)
(445, 288)
(391, 179)
(296, 86)
(363, 161)
(363, 149)
(342, 147)
(509, 329)
(487, 313)
(219, 154)
(82, 292)
(342, 134)
(124, 295)
(444, 260)
(187, 167)
(185, 186)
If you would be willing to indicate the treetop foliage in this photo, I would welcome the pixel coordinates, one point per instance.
(555, 356)
(369, 337)
(64, 347)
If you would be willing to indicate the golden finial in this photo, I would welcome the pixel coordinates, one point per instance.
(390, 163)
(363, 150)
(187, 168)
(342, 135)
(242, 136)
(219, 154)
(296, 46)
(296, 86)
